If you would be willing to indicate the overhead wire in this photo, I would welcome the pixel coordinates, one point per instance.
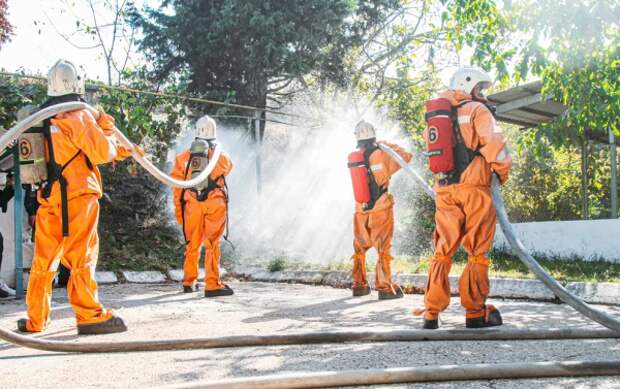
(97, 86)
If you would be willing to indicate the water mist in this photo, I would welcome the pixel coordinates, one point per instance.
(304, 211)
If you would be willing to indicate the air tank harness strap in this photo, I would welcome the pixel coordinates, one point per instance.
(189, 161)
(376, 191)
(440, 112)
(463, 155)
(56, 175)
(209, 189)
(227, 214)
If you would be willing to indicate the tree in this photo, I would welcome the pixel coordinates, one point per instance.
(6, 29)
(147, 119)
(106, 26)
(398, 65)
(572, 45)
(15, 94)
(246, 50)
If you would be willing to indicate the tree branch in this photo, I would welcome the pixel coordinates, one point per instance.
(105, 50)
(66, 38)
(279, 88)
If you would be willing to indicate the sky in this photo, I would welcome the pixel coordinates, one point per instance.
(37, 44)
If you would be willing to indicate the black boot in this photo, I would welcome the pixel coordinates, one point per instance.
(22, 325)
(391, 296)
(194, 288)
(225, 291)
(361, 291)
(430, 324)
(494, 318)
(112, 325)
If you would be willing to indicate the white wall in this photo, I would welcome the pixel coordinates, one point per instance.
(588, 239)
(7, 269)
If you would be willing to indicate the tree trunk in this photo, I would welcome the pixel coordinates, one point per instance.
(584, 179)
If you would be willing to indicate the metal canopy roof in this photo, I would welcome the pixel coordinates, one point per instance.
(6, 160)
(523, 105)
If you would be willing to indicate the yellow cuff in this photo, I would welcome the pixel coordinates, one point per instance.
(479, 260)
(441, 258)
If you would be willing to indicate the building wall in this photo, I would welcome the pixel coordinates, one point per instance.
(587, 239)
(7, 269)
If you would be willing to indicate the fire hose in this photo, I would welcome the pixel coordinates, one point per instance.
(136, 153)
(306, 338)
(516, 244)
(326, 379)
(401, 375)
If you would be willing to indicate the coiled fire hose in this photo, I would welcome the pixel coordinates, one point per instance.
(516, 244)
(306, 338)
(401, 375)
(330, 379)
(136, 153)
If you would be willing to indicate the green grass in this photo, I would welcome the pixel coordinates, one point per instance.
(503, 265)
(276, 264)
(162, 249)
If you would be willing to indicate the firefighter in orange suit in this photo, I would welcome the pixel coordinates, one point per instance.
(464, 207)
(202, 211)
(69, 209)
(373, 222)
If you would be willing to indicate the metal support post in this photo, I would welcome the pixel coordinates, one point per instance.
(614, 174)
(18, 201)
(584, 179)
(259, 146)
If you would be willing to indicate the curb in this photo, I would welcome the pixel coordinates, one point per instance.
(105, 277)
(601, 293)
(147, 277)
(144, 277)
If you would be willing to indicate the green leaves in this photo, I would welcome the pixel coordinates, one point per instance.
(572, 46)
(591, 94)
(15, 93)
(150, 120)
(242, 46)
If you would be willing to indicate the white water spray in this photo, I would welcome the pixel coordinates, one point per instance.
(305, 209)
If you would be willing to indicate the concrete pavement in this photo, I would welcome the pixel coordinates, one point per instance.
(162, 311)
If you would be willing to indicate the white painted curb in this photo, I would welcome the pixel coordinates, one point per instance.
(105, 277)
(177, 274)
(144, 277)
(602, 293)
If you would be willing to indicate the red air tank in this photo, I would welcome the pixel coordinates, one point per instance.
(359, 178)
(439, 135)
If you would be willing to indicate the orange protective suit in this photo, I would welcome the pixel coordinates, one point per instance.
(72, 133)
(203, 221)
(375, 227)
(465, 213)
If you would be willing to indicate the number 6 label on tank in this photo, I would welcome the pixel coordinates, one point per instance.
(25, 149)
(433, 135)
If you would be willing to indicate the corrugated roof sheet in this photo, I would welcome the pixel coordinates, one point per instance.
(523, 105)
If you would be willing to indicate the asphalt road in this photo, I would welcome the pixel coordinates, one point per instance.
(162, 311)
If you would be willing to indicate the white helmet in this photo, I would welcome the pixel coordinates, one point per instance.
(364, 130)
(206, 128)
(467, 78)
(63, 79)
